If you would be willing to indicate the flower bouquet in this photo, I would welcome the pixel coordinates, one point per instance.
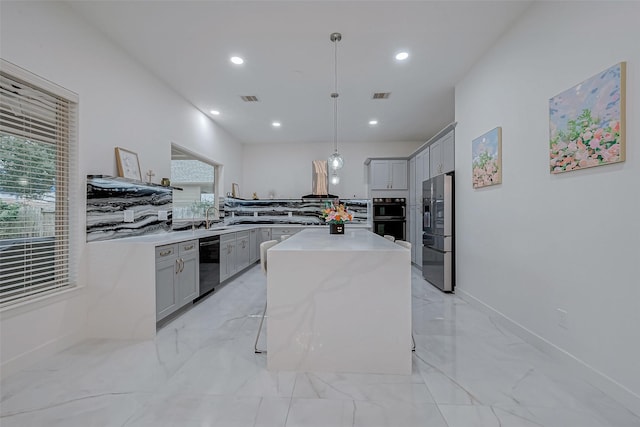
(336, 215)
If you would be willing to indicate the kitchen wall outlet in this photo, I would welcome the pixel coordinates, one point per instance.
(163, 215)
(562, 318)
(128, 215)
(290, 214)
(255, 214)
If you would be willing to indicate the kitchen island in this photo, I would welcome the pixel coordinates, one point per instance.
(339, 303)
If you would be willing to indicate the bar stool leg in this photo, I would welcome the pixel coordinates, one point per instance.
(255, 346)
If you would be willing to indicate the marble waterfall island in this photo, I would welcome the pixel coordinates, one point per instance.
(339, 303)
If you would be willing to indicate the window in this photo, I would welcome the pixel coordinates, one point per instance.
(37, 154)
(197, 178)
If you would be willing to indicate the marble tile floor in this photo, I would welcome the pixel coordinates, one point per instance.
(201, 371)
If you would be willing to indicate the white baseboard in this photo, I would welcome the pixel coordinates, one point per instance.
(612, 388)
(33, 356)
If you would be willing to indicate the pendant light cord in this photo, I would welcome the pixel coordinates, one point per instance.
(336, 37)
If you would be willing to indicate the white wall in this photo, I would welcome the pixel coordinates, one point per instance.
(285, 169)
(121, 104)
(539, 242)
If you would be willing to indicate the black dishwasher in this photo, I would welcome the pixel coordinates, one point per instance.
(209, 264)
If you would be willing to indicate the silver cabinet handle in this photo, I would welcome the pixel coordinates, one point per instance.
(165, 253)
(177, 267)
(181, 265)
(188, 248)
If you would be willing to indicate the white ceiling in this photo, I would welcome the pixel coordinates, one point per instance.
(289, 60)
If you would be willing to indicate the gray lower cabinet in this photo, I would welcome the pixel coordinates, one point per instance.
(227, 256)
(254, 244)
(176, 276)
(243, 250)
(240, 250)
(278, 232)
(188, 281)
(265, 234)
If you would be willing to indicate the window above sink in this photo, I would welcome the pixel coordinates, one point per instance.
(198, 178)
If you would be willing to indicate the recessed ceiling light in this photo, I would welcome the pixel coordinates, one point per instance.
(373, 122)
(276, 124)
(402, 56)
(237, 60)
(215, 112)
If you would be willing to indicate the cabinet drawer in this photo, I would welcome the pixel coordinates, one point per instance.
(189, 247)
(242, 235)
(281, 231)
(229, 237)
(166, 251)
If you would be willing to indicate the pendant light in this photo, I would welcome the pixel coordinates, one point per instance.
(335, 179)
(335, 160)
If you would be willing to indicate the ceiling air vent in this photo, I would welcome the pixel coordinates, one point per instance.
(249, 98)
(381, 95)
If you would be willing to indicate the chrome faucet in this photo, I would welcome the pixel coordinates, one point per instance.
(206, 214)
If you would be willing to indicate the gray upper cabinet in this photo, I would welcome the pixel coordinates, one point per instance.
(442, 154)
(388, 174)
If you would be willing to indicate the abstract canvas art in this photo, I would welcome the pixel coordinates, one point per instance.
(586, 122)
(486, 160)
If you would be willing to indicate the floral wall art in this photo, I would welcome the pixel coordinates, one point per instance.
(487, 158)
(586, 122)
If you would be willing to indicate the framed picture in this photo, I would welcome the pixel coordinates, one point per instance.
(486, 159)
(586, 122)
(128, 164)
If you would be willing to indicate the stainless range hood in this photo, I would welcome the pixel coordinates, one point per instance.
(319, 181)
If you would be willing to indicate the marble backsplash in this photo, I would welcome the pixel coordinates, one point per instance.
(109, 197)
(290, 211)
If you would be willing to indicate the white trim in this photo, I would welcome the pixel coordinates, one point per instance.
(41, 82)
(607, 385)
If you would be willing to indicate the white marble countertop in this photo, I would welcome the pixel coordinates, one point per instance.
(319, 239)
(180, 236)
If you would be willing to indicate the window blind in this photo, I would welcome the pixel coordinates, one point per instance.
(37, 155)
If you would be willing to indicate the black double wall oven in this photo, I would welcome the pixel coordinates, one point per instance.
(389, 217)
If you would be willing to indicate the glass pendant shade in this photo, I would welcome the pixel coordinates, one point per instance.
(335, 161)
(335, 179)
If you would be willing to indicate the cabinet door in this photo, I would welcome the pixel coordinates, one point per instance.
(379, 174)
(166, 302)
(435, 164)
(242, 250)
(227, 256)
(412, 181)
(398, 174)
(233, 258)
(412, 232)
(187, 283)
(417, 183)
(418, 228)
(253, 245)
(426, 166)
(266, 235)
(448, 153)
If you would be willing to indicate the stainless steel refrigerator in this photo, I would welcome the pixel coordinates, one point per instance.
(438, 232)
